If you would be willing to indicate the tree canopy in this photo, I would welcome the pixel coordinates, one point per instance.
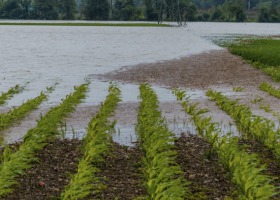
(149, 10)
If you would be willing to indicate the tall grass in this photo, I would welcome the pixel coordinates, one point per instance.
(96, 145)
(15, 163)
(163, 176)
(262, 53)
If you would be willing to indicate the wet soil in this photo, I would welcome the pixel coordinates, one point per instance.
(217, 67)
(122, 174)
(208, 178)
(121, 171)
(47, 178)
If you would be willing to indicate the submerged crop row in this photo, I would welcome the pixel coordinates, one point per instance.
(96, 145)
(244, 169)
(256, 127)
(15, 162)
(10, 93)
(7, 118)
(270, 89)
(162, 175)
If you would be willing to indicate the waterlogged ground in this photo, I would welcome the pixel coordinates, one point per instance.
(40, 57)
(187, 58)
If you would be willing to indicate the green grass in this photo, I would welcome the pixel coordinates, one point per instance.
(261, 53)
(82, 24)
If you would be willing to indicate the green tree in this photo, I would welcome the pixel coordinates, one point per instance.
(126, 10)
(45, 9)
(11, 9)
(67, 9)
(97, 10)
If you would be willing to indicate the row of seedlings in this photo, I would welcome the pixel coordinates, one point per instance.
(244, 169)
(270, 89)
(15, 162)
(10, 93)
(256, 127)
(163, 177)
(19, 112)
(96, 145)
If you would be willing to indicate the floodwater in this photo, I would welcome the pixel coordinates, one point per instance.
(43, 56)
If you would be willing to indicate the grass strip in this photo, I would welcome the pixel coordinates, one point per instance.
(256, 127)
(264, 86)
(245, 169)
(10, 93)
(14, 163)
(263, 54)
(82, 24)
(163, 176)
(96, 145)
(6, 119)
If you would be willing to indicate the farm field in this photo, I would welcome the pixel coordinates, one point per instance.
(154, 136)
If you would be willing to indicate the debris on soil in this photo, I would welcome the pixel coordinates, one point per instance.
(48, 178)
(217, 67)
(121, 174)
(208, 178)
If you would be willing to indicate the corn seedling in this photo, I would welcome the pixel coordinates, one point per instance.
(17, 113)
(238, 89)
(163, 176)
(256, 100)
(244, 169)
(21, 159)
(96, 145)
(10, 93)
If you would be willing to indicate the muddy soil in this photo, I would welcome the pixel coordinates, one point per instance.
(198, 71)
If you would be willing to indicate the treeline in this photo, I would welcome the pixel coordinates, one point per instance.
(149, 10)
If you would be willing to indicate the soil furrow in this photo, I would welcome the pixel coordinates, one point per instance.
(121, 174)
(208, 178)
(51, 174)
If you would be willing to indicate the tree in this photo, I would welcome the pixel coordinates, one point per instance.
(11, 9)
(126, 10)
(67, 9)
(45, 9)
(97, 10)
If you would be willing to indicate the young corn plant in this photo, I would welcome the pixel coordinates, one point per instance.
(10, 93)
(96, 145)
(264, 86)
(244, 169)
(163, 176)
(256, 127)
(15, 163)
(6, 119)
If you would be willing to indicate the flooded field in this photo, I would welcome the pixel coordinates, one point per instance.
(39, 57)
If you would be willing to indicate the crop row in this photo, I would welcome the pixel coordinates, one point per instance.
(256, 127)
(96, 145)
(7, 118)
(162, 175)
(244, 169)
(10, 93)
(16, 161)
(270, 89)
